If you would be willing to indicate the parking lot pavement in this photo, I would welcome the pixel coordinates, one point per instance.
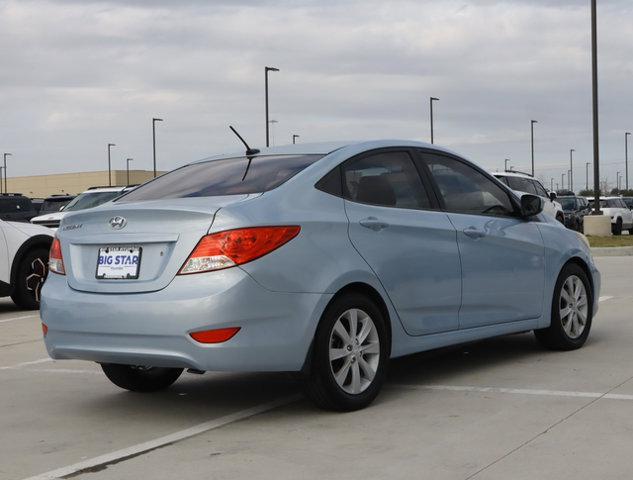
(498, 409)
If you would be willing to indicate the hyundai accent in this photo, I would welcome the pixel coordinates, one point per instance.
(324, 259)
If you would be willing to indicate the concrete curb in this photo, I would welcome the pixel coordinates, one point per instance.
(612, 252)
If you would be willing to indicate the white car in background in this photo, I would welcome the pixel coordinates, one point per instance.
(621, 215)
(523, 183)
(91, 198)
(23, 262)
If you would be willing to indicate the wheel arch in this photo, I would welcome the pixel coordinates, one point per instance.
(37, 241)
(585, 268)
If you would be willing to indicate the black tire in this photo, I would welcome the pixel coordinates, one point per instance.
(320, 385)
(617, 228)
(140, 379)
(554, 337)
(32, 272)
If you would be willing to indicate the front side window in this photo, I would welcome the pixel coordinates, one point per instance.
(387, 179)
(466, 190)
(540, 189)
(228, 176)
(521, 184)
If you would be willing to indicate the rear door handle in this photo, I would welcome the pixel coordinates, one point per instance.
(373, 224)
(473, 232)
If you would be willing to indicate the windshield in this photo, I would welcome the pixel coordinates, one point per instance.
(230, 176)
(49, 206)
(90, 200)
(567, 203)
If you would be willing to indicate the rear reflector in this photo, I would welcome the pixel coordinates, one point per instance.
(55, 260)
(236, 247)
(44, 329)
(215, 336)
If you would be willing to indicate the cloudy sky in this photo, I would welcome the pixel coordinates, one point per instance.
(76, 75)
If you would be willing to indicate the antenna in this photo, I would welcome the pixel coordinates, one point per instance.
(249, 151)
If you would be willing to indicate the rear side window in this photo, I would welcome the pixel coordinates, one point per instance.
(229, 176)
(521, 184)
(387, 179)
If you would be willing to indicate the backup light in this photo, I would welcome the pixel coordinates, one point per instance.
(236, 247)
(55, 259)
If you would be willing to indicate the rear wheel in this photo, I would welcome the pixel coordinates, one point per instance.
(572, 308)
(139, 378)
(350, 355)
(30, 277)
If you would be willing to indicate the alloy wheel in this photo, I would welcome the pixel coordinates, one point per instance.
(35, 277)
(354, 351)
(573, 307)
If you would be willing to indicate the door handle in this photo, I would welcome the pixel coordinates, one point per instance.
(373, 224)
(473, 232)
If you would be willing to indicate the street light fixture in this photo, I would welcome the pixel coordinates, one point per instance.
(294, 138)
(154, 120)
(110, 145)
(272, 131)
(431, 100)
(5, 172)
(571, 169)
(626, 158)
(587, 175)
(532, 122)
(127, 169)
(266, 70)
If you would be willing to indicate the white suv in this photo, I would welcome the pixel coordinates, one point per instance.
(23, 261)
(621, 215)
(92, 197)
(523, 183)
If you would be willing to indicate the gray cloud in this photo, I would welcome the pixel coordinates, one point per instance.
(78, 74)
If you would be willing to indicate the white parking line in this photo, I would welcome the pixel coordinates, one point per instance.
(519, 391)
(26, 364)
(134, 450)
(13, 319)
(605, 298)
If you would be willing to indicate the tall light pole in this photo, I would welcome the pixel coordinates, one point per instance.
(551, 184)
(587, 175)
(505, 164)
(5, 172)
(266, 70)
(617, 181)
(562, 180)
(272, 122)
(594, 95)
(294, 138)
(1, 188)
(127, 169)
(626, 158)
(431, 100)
(532, 122)
(154, 120)
(110, 145)
(571, 169)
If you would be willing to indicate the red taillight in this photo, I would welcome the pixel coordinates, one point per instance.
(55, 260)
(235, 247)
(215, 336)
(44, 329)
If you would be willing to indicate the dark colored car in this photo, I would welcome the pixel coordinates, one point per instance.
(55, 203)
(575, 208)
(15, 207)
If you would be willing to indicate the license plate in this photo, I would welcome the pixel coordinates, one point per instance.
(121, 262)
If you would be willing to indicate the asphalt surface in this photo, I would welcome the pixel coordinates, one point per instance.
(500, 409)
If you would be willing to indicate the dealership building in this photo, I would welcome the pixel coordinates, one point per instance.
(41, 186)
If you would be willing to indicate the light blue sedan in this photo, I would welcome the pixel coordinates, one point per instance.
(324, 259)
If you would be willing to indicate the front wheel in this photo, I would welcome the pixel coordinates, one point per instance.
(350, 355)
(140, 379)
(617, 228)
(572, 309)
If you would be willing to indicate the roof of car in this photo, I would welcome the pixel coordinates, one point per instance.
(324, 148)
(512, 174)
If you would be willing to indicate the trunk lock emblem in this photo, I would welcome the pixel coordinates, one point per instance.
(118, 222)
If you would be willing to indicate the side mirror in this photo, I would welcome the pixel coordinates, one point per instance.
(553, 196)
(531, 205)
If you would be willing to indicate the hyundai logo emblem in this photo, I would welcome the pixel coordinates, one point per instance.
(118, 222)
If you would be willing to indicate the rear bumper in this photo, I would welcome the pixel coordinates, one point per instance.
(153, 328)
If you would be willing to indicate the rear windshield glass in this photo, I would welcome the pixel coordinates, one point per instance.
(90, 200)
(230, 176)
(567, 203)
